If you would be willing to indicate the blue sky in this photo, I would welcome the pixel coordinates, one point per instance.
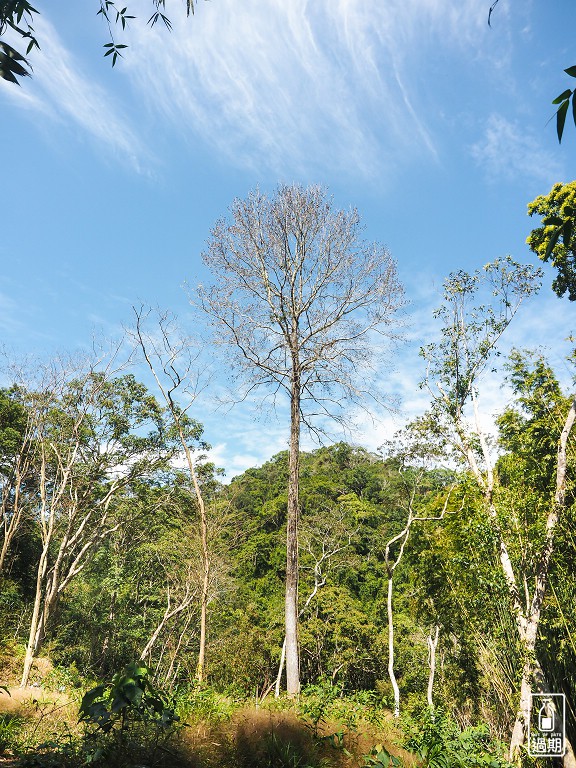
(416, 112)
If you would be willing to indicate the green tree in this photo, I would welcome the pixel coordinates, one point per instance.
(470, 334)
(555, 239)
(95, 433)
(16, 476)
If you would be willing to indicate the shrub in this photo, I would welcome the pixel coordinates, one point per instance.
(127, 717)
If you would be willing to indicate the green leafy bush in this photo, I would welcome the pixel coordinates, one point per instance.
(440, 743)
(127, 716)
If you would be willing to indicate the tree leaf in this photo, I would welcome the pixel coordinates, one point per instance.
(571, 71)
(552, 243)
(563, 96)
(561, 119)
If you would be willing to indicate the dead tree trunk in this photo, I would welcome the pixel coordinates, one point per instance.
(291, 601)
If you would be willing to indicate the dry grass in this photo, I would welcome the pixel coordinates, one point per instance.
(250, 738)
(260, 738)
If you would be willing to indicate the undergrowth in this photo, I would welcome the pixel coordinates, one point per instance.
(128, 722)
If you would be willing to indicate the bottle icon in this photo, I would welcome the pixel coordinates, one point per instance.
(546, 716)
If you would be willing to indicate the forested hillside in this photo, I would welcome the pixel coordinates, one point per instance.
(123, 556)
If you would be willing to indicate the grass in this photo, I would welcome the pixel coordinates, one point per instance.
(321, 729)
(217, 731)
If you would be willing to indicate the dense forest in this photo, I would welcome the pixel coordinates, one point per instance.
(432, 581)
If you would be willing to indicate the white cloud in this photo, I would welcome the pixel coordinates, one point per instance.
(507, 151)
(299, 85)
(293, 87)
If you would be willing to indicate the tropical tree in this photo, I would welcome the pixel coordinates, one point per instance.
(16, 475)
(90, 444)
(299, 300)
(555, 239)
(455, 364)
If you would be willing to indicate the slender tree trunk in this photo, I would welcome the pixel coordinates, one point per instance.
(5, 544)
(204, 595)
(205, 554)
(169, 613)
(175, 380)
(391, 672)
(291, 603)
(280, 670)
(319, 581)
(11, 522)
(432, 645)
(170, 671)
(523, 716)
(31, 647)
(155, 635)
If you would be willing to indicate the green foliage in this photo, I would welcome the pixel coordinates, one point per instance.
(18, 15)
(315, 703)
(477, 309)
(127, 714)
(529, 429)
(202, 702)
(275, 752)
(379, 757)
(563, 102)
(555, 239)
(13, 419)
(440, 743)
(129, 696)
(53, 753)
(10, 729)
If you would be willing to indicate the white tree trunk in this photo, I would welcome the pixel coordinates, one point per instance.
(280, 670)
(391, 672)
(432, 645)
(32, 645)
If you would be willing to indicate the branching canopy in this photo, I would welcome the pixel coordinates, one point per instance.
(299, 294)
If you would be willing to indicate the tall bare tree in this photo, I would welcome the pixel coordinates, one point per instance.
(299, 299)
(173, 365)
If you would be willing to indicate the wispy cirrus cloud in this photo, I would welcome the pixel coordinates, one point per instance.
(293, 87)
(507, 151)
(299, 85)
(62, 93)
